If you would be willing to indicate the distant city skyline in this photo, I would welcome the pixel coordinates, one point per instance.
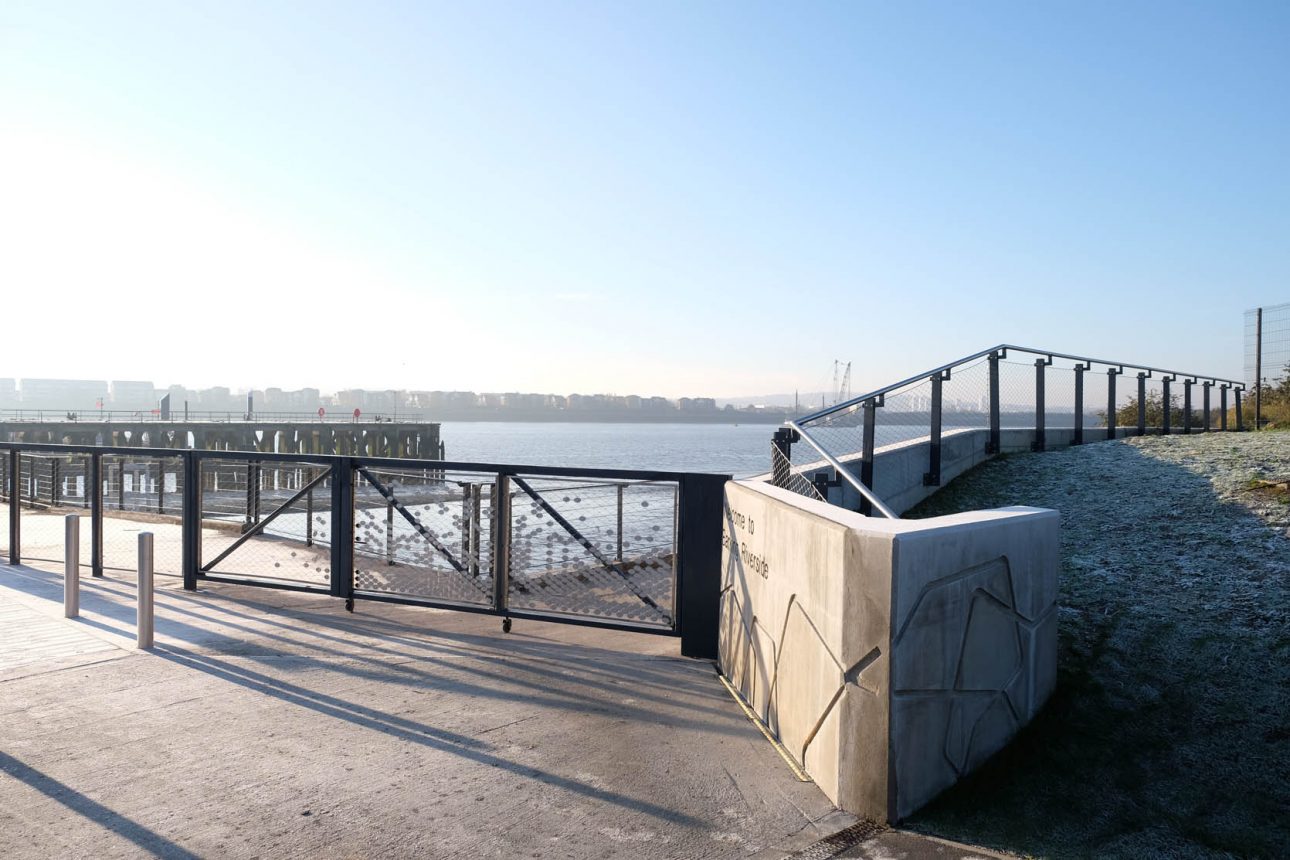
(88, 395)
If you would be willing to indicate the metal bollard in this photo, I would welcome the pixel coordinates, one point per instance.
(72, 566)
(143, 618)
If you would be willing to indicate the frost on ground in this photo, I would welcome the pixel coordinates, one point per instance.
(1169, 733)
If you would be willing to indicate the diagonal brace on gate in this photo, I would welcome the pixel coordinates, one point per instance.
(590, 547)
(260, 526)
(388, 495)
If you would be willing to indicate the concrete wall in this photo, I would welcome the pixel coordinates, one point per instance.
(889, 656)
(898, 469)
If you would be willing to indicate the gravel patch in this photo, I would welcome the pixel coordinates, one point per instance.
(1169, 733)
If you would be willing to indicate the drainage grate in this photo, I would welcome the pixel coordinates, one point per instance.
(832, 846)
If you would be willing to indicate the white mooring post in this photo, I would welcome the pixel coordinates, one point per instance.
(143, 620)
(72, 566)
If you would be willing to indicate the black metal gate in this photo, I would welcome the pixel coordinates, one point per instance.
(630, 550)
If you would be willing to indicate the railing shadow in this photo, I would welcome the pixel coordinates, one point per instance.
(410, 731)
(147, 840)
(455, 669)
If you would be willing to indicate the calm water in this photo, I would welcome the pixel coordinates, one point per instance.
(740, 450)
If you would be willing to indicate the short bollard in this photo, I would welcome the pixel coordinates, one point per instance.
(143, 619)
(72, 566)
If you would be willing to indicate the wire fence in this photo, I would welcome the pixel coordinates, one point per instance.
(597, 546)
(1003, 399)
(1267, 366)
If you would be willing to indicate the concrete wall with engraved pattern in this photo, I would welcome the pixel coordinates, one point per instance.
(890, 657)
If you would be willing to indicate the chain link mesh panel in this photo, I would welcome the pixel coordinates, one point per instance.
(141, 494)
(43, 529)
(425, 534)
(603, 549)
(1095, 391)
(285, 507)
(789, 478)
(965, 399)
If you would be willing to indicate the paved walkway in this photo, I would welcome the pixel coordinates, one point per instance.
(275, 724)
(30, 636)
(271, 723)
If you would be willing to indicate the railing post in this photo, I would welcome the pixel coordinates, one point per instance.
(1166, 424)
(1142, 404)
(143, 614)
(933, 476)
(256, 508)
(120, 485)
(1040, 436)
(476, 498)
(53, 481)
(389, 528)
(342, 524)
(191, 520)
(95, 501)
(250, 497)
(71, 565)
(619, 556)
(15, 507)
(866, 454)
(1258, 369)
(1240, 422)
(1111, 373)
(992, 447)
(1187, 384)
(161, 486)
(309, 508)
(698, 571)
(782, 466)
(1222, 407)
(1205, 386)
(501, 543)
(1078, 439)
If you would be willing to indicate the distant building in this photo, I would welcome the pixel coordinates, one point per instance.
(218, 399)
(131, 395)
(70, 394)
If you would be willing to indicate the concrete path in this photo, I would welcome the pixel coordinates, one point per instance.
(30, 636)
(271, 724)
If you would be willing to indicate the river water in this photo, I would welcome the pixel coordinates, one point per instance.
(734, 449)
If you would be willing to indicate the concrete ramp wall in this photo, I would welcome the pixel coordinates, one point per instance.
(899, 469)
(889, 656)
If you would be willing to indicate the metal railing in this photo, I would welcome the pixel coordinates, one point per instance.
(624, 549)
(1051, 399)
(177, 416)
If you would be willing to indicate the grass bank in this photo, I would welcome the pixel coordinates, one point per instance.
(1169, 732)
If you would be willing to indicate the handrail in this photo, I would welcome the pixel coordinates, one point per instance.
(1003, 347)
(845, 473)
(51, 415)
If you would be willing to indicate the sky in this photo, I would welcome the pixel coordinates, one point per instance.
(672, 198)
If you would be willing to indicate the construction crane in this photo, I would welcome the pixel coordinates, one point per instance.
(841, 381)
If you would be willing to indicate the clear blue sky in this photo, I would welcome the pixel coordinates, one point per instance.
(662, 198)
